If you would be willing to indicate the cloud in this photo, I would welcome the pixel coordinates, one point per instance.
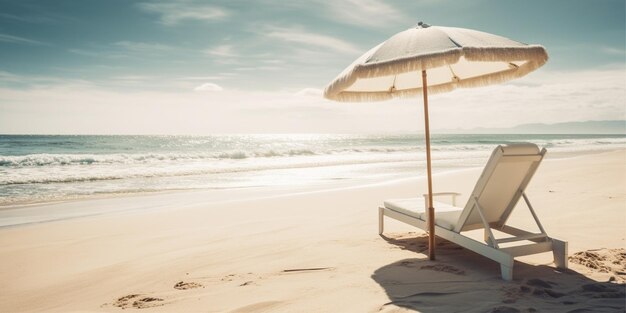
(209, 87)
(9, 77)
(136, 46)
(19, 40)
(222, 51)
(362, 13)
(301, 36)
(259, 68)
(175, 12)
(27, 19)
(125, 82)
(88, 53)
(193, 78)
(613, 51)
(134, 77)
(36, 16)
(372, 13)
(309, 92)
(36, 80)
(273, 61)
(125, 49)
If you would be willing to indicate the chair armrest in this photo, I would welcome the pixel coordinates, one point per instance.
(453, 195)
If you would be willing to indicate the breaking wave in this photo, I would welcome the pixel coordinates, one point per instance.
(95, 159)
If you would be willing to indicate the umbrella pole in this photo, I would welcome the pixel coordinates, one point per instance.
(431, 210)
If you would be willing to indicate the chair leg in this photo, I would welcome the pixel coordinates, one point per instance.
(559, 250)
(381, 215)
(507, 272)
(506, 268)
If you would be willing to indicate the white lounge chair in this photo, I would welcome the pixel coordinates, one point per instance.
(498, 190)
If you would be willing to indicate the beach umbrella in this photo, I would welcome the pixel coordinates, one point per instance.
(432, 59)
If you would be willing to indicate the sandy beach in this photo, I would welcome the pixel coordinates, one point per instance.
(303, 250)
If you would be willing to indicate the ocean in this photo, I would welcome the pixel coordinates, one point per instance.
(38, 168)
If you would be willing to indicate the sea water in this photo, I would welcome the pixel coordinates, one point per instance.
(37, 168)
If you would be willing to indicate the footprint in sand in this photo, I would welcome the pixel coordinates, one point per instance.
(245, 279)
(511, 294)
(444, 268)
(541, 288)
(181, 285)
(410, 264)
(603, 290)
(137, 301)
(536, 282)
(125, 301)
(248, 283)
(504, 309)
(148, 302)
(229, 277)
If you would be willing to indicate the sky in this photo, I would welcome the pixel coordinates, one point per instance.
(212, 67)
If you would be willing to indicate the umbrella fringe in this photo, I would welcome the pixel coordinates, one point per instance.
(396, 66)
(535, 55)
(410, 64)
(493, 78)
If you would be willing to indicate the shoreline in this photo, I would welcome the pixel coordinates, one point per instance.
(200, 198)
(313, 186)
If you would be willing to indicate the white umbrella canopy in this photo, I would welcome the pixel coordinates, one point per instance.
(453, 57)
(433, 59)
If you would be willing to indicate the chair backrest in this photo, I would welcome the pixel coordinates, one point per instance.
(501, 184)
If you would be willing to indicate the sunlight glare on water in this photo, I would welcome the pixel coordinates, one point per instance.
(42, 168)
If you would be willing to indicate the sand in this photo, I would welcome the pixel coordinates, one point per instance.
(287, 250)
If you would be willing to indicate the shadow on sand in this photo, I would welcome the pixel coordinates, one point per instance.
(463, 281)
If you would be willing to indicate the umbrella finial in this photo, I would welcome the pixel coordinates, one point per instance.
(422, 25)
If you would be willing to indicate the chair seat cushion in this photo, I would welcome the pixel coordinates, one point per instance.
(446, 215)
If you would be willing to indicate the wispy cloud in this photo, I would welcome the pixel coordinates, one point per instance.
(36, 80)
(124, 49)
(259, 68)
(368, 13)
(124, 81)
(298, 35)
(174, 12)
(83, 52)
(134, 77)
(204, 78)
(273, 61)
(373, 13)
(26, 19)
(19, 40)
(10, 77)
(222, 51)
(136, 46)
(309, 92)
(613, 51)
(209, 87)
(36, 16)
